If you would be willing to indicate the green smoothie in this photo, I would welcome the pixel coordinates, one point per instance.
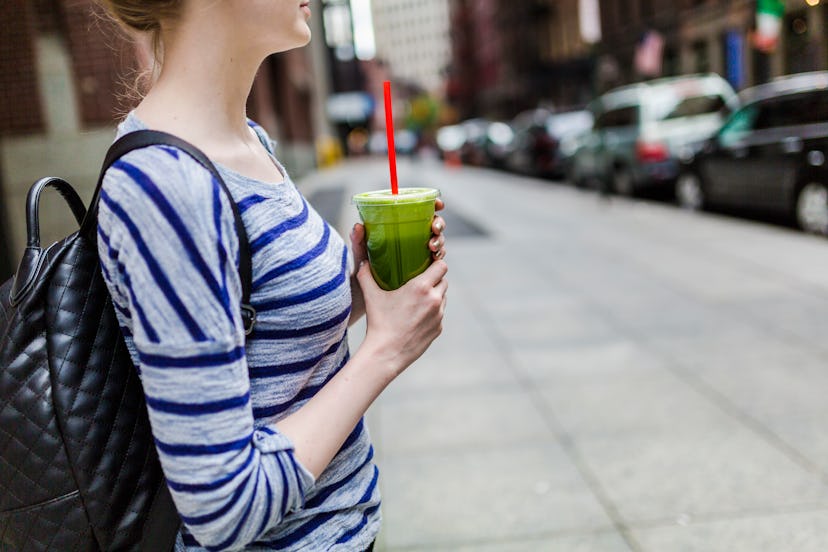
(398, 228)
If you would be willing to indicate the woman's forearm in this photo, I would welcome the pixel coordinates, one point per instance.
(320, 427)
(400, 327)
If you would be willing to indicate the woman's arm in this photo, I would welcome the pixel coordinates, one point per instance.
(401, 326)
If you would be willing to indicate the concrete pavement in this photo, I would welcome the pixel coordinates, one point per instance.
(612, 377)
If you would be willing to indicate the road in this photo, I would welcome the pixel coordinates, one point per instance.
(613, 376)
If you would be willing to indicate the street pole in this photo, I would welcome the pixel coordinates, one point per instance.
(321, 77)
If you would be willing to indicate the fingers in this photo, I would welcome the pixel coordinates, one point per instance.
(437, 243)
(366, 279)
(358, 233)
(439, 204)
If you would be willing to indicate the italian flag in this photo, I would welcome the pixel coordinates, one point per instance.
(769, 15)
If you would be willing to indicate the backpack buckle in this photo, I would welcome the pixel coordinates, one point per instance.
(248, 318)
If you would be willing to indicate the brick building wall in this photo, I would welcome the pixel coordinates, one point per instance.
(20, 110)
(103, 63)
(477, 57)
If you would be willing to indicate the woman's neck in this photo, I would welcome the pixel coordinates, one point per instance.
(202, 89)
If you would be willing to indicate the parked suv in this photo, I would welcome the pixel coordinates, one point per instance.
(641, 130)
(769, 156)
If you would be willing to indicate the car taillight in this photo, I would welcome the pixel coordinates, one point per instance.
(651, 152)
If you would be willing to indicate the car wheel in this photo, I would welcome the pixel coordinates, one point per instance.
(573, 177)
(622, 181)
(689, 192)
(812, 209)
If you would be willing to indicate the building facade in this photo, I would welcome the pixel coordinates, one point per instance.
(66, 78)
(510, 56)
(412, 37)
(712, 36)
(477, 56)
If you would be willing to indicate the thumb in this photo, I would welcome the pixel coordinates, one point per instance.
(366, 279)
(358, 243)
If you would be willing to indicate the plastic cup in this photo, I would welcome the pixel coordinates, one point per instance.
(398, 229)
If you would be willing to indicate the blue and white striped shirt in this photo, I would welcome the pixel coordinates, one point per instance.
(169, 254)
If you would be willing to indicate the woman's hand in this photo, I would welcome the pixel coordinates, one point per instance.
(404, 322)
(401, 326)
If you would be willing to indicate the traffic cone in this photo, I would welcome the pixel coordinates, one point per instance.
(452, 159)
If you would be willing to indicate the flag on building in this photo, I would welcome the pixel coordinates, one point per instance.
(649, 53)
(769, 14)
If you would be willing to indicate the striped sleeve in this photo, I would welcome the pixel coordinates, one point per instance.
(168, 243)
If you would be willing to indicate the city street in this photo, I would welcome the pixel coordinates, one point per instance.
(613, 376)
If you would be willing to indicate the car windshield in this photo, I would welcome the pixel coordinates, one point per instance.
(698, 105)
(739, 125)
(563, 124)
(679, 101)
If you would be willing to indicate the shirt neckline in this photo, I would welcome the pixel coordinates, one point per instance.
(132, 120)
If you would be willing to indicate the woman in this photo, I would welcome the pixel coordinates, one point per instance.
(262, 441)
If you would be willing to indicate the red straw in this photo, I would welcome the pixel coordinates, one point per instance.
(389, 131)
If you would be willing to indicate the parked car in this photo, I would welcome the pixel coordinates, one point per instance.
(474, 141)
(450, 140)
(566, 130)
(770, 156)
(640, 131)
(499, 138)
(473, 150)
(542, 141)
(405, 142)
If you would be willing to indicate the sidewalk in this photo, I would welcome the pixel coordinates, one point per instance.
(611, 377)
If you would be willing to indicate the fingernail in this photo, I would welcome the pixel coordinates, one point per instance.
(434, 243)
(439, 226)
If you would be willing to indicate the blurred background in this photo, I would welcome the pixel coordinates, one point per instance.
(634, 353)
(509, 85)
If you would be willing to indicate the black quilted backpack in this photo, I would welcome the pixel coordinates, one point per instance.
(78, 466)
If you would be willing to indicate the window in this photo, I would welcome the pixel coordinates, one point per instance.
(738, 126)
(701, 56)
(617, 118)
(697, 105)
(793, 110)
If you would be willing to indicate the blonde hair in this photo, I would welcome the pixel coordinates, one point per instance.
(142, 20)
(145, 17)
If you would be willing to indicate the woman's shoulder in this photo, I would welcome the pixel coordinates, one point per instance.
(161, 186)
(159, 168)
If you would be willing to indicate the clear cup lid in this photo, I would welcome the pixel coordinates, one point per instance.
(405, 195)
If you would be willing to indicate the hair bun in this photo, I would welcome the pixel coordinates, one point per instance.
(142, 15)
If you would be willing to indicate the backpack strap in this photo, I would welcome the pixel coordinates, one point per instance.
(144, 138)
